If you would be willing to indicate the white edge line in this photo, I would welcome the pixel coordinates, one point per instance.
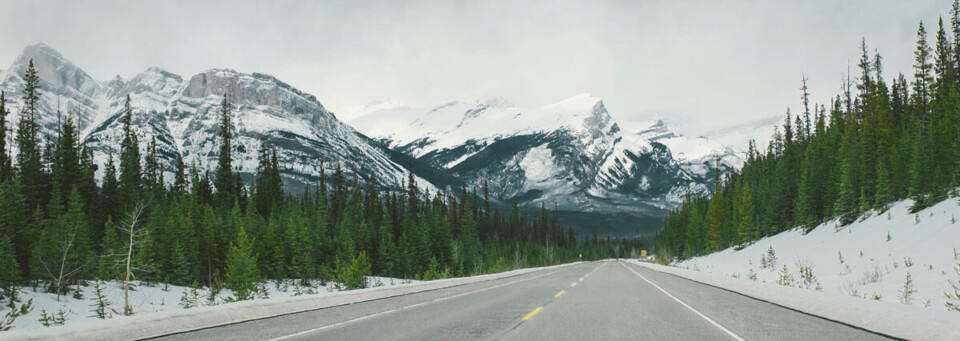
(725, 330)
(403, 308)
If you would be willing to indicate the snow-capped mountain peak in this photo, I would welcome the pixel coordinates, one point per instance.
(572, 153)
(181, 115)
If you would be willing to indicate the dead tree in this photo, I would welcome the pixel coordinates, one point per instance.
(135, 234)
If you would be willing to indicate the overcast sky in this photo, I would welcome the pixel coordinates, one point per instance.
(701, 64)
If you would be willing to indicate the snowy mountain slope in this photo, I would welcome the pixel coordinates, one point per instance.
(182, 113)
(869, 258)
(572, 153)
(63, 85)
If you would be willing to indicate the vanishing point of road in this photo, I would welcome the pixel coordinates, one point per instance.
(609, 300)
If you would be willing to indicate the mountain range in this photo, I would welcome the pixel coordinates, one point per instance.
(618, 177)
(572, 155)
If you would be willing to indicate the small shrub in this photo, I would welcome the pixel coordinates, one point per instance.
(906, 292)
(11, 316)
(805, 275)
(871, 276)
(953, 298)
(101, 307)
(785, 278)
(57, 318)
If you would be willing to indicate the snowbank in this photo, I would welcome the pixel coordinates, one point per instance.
(900, 321)
(856, 273)
(184, 320)
(869, 258)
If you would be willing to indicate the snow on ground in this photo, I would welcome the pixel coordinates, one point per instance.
(154, 298)
(869, 258)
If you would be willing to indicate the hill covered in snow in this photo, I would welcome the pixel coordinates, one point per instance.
(871, 258)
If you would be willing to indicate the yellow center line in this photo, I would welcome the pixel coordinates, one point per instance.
(581, 279)
(574, 284)
(534, 312)
(559, 294)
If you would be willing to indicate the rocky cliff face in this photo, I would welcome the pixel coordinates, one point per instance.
(182, 115)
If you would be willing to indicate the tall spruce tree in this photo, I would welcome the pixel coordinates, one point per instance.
(717, 217)
(224, 181)
(180, 176)
(269, 185)
(920, 172)
(29, 162)
(131, 179)
(746, 213)
(5, 162)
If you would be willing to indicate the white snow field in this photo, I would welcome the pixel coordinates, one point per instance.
(158, 311)
(867, 261)
(156, 298)
(860, 259)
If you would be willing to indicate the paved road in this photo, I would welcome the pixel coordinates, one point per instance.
(590, 301)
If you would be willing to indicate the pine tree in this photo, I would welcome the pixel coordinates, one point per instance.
(338, 199)
(356, 276)
(67, 167)
(63, 249)
(884, 188)
(224, 181)
(29, 163)
(717, 218)
(101, 305)
(413, 194)
(9, 269)
(153, 170)
(944, 115)
(847, 205)
(182, 271)
(386, 253)
(470, 240)
(242, 276)
(806, 109)
(130, 182)
(5, 162)
(111, 250)
(269, 185)
(16, 224)
(180, 176)
(110, 190)
(746, 228)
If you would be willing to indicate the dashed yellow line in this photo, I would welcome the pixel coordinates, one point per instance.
(574, 284)
(559, 294)
(581, 279)
(534, 312)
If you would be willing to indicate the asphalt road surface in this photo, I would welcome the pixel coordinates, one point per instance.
(608, 300)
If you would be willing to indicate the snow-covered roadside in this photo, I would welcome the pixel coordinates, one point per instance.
(857, 273)
(900, 321)
(153, 298)
(174, 320)
(869, 258)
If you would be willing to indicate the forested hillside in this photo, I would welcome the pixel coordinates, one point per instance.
(875, 143)
(59, 227)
